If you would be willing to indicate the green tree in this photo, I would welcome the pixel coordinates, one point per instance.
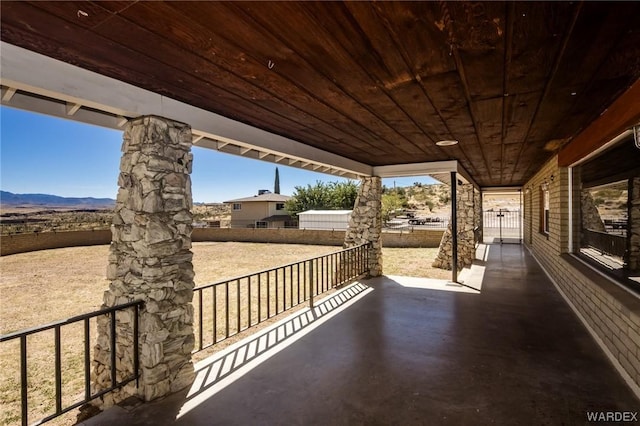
(390, 203)
(430, 204)
(343, 194)
(321, 196)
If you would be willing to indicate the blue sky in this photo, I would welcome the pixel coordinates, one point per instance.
(49, 155)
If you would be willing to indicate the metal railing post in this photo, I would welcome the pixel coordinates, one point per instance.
(58, 364)
(311, 284)
(114, 379)
(200, 329)
(87, 359)
(136, 342)
(23, 379)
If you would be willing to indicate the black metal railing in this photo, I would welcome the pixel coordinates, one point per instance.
(57, 327)
(611, 244)
(225, 308)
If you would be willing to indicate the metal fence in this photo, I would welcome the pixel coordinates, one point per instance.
(225, 308)
(222, 309)
(88, 395)
(502, 226)
(418, 223)
(615, 245)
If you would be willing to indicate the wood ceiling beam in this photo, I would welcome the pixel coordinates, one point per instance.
(217, 77)
(374, 119)
(547, 86)
(467, 93)
(305, 97)
(508, 51)
(622, 114)
(386, 28)
(411, 70)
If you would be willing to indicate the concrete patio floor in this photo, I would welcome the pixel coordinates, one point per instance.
(398, 350)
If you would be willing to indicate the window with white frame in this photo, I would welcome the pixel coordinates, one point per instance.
(544, 208)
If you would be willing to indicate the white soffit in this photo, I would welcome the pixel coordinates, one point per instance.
(41, 84)
(438, 169)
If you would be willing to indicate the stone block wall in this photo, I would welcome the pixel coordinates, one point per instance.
(22, 243)
(150, 260)
(34, 241)
(365, 225)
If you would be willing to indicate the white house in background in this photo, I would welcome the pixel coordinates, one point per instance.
(337, 220)
(265, 210)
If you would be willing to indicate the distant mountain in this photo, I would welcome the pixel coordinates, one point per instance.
(9, 199)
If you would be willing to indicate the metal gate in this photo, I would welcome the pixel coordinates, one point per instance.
(502, 226)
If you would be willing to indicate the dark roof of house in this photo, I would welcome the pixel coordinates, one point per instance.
(264, 197)
(277, 218)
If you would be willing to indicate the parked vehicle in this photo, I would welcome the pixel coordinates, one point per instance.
(418, 221)
(424, 220)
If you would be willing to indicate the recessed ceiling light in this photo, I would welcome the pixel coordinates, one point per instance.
(446, 143)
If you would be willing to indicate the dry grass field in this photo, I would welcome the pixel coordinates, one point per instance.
(41, 287)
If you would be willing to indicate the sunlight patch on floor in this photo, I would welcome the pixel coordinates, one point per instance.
(431, 284)
(225, 367)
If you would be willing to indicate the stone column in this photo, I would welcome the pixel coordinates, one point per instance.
(466, 240)
(477, 209)
(365, 224)
(150, 260)
(590, 216)
(633, 261)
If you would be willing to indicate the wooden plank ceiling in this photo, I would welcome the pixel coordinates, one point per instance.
(377, 82)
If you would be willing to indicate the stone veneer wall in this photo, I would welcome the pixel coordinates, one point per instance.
(150, 260)
(610, 312)
(365, 224)
(477, 208)
(466, 213)
(590, 216)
